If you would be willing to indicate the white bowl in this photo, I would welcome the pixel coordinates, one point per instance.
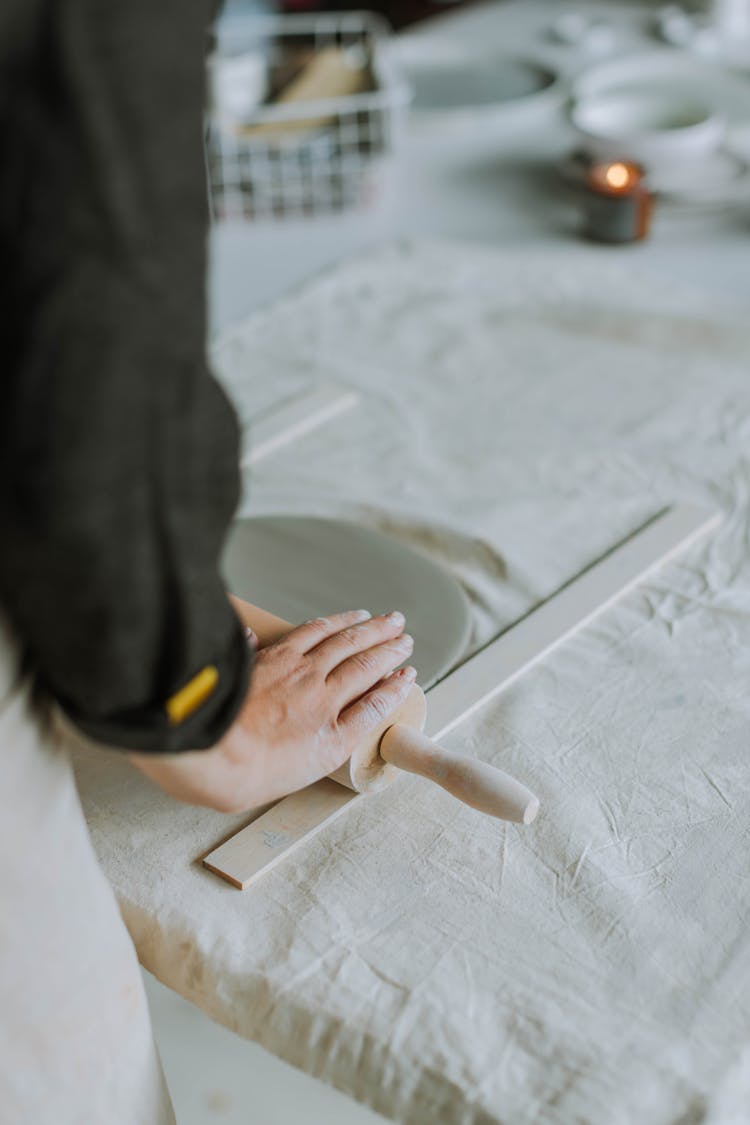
(668, 71)
(455, 90)
(654, 128)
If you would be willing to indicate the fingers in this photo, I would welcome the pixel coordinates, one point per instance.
(362, 671)
(377, 704)
(312, 633)
(356, 638)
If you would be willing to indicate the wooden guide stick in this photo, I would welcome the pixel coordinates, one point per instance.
(398, 744)
(295, 416)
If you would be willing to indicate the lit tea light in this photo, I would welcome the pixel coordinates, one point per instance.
(618, 176)
(618, 204)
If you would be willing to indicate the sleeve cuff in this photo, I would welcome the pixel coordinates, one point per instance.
(193, 719)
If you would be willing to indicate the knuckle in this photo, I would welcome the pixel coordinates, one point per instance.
(321, 626)
(349, 636)
(279, 660)
(379, 705)
(365, 662)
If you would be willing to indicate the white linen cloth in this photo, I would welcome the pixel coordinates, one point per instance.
(521, 415)
(75, 1035)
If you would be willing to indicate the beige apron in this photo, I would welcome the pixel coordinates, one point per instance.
(75, 1036)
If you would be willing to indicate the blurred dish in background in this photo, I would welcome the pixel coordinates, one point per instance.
(453, 86)
(700, 159)
(461, 85)
(721, 30)
(584, 31)
(656, 129)
(678, 73)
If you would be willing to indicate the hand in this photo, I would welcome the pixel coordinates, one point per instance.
(313, 696)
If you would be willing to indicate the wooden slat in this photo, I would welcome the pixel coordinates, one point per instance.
(566, 611)
(297, 416)
(262, 844)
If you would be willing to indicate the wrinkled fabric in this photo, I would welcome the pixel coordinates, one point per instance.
(520, 415)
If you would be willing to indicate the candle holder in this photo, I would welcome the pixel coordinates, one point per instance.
(618, 204)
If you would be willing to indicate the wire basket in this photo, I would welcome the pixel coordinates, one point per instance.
(305, 157)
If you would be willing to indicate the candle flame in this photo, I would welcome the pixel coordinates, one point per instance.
(617, 175)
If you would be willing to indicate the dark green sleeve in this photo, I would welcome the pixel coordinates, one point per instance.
(118, 450)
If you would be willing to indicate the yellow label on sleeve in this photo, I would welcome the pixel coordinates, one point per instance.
(189, 698)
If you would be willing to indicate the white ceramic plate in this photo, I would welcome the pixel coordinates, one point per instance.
(299, 567)
(451, 86)
(442, 87)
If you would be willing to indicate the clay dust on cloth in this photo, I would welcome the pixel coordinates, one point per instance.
(520, 414)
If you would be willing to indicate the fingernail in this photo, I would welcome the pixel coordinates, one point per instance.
(396, 616)
(362, 615)
(405, 641)
(407, 674)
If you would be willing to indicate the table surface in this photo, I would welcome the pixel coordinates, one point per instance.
(521, 413)
(434, 964)
(492, 185)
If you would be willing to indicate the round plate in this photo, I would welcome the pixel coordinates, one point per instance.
(444, 86)
(450, 85)
(299, 567)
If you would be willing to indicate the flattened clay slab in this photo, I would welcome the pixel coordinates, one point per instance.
(300, 567)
